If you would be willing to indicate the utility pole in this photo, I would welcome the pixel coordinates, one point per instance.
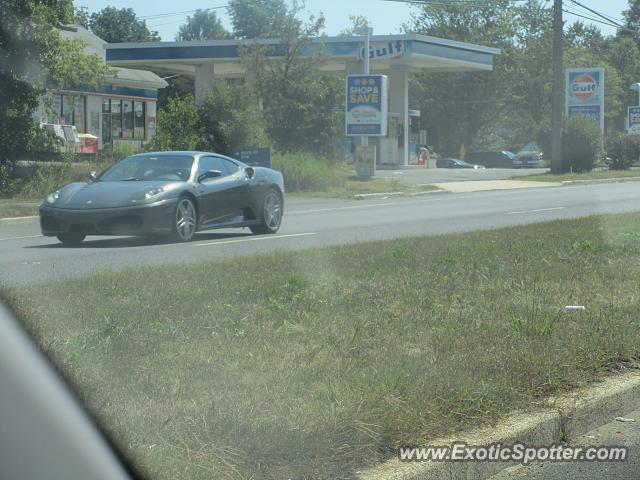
(558, 90)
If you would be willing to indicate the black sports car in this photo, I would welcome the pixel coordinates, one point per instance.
(166, 193)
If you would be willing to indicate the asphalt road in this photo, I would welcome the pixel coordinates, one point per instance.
(27, 257)
(423, 176)
(612, 434)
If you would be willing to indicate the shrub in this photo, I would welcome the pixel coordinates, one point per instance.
(303, 172)
(581, 145)
(624, 150)
(226, 119)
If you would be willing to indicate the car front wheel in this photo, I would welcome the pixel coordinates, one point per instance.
(185, 220)
(71, 239)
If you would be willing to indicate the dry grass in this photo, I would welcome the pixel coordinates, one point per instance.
(313, 364)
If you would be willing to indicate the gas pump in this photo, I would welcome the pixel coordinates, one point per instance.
(414, 137)
(389, 144)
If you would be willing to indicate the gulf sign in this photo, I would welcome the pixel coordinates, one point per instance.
(584, 95)
(366, 105)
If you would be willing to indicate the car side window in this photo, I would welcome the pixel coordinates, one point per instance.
(231, 167)
(212, 163)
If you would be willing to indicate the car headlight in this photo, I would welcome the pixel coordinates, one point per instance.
(53, 197)
(153, 192)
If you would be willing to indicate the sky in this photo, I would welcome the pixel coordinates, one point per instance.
(386, 16)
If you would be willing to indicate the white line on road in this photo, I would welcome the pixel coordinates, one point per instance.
(255, 239)
(538, 210)
(20, 238)
(335, 209)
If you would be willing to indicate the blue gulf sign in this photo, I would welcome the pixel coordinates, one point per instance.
(585, 94)
(366, 105)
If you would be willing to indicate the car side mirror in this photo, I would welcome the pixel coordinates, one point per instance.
(250, 171)
(209, 174)
(92, 177)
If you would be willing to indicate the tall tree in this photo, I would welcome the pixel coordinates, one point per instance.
(33, 57)
(298, 101)
(257, 18)
(202, 25)
(116, 26)
(358, 23)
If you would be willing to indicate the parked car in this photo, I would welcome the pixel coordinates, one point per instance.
(527, 159)
(490, 159)
(528, 156)
(456, 163)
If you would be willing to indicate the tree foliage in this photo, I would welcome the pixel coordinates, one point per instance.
(116, 26)
(511, 106)
(257, 18)
(582, 145)
(33, 57)
(202, 25)
(225, 120)
(298, 101)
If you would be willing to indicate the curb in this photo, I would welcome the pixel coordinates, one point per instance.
(18, 220)
(364, 196)
(565, 416)
(603, 180)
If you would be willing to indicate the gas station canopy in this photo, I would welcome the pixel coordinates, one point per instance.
(394, 55)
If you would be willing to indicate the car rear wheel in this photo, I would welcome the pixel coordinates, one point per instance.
(185, 220)
(71, 239)
(272, 209)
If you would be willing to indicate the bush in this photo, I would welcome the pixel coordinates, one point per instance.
(624, 150)
(581, 145)
(226, 119)
(303, 172)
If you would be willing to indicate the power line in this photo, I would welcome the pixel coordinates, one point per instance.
(181, 19)
(174, 14)
(595, 12)
(591, 19)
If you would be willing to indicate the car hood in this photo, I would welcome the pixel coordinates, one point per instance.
(110, 194)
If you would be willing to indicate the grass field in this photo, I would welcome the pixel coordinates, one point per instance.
(18, 208)
(314, 364)
(597, 175)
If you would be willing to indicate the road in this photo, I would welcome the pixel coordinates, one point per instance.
(27, 257)
(443, 175)
(614, 433)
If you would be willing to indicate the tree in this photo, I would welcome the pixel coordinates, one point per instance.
(116, 26)
(358, 24)
(33, 57)
(203, 25)
(298, 101)
(226, 119)
(257, 18)
(632, 20)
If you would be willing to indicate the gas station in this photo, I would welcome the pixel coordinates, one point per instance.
(396, 56)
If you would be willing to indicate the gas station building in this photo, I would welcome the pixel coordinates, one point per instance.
(393, 55)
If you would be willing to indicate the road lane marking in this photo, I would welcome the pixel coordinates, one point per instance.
(256, 239)
(536, 211)
(20, 238)
(335, 209)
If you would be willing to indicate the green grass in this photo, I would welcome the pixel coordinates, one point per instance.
(597, 175)
(316, 177)
(313, 364)
(22, 208)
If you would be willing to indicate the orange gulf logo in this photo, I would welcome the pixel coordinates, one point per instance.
(584, 87)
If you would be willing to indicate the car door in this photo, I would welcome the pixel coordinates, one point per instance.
(238, 185)
(214, 196)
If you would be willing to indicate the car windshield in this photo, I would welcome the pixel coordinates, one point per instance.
(150, 168)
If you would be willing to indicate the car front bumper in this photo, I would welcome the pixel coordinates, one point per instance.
(151, 219)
